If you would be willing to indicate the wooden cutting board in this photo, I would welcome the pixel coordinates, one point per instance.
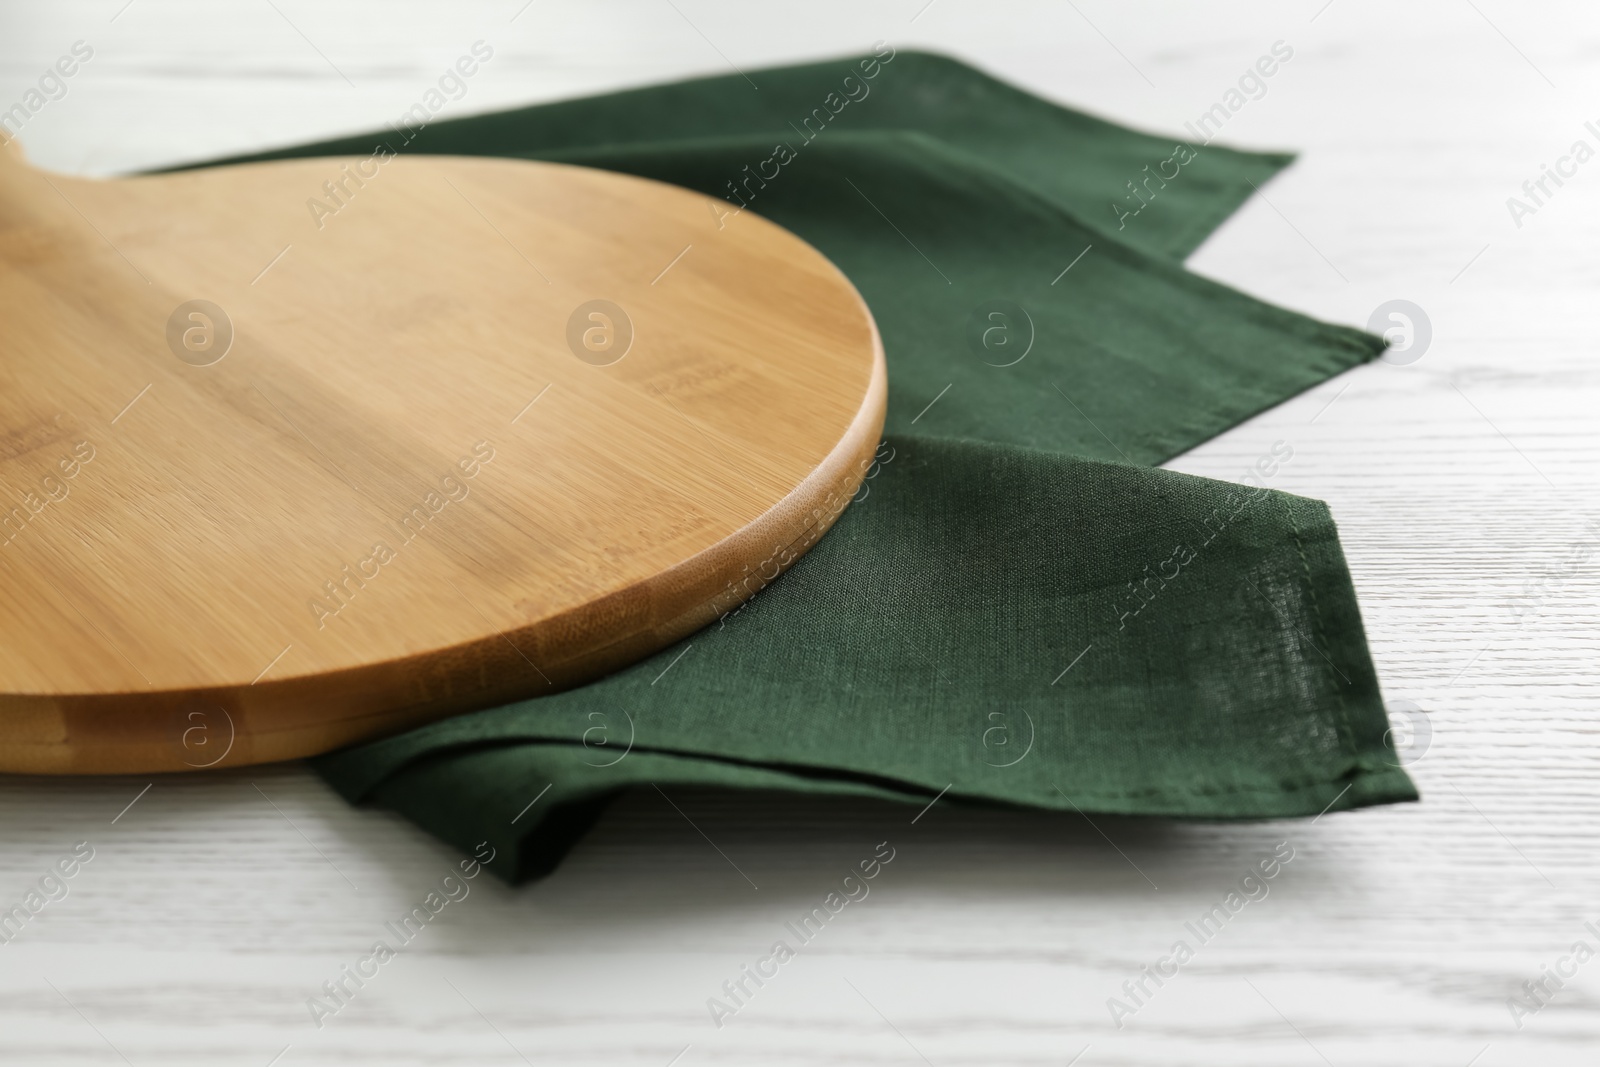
(301, 453)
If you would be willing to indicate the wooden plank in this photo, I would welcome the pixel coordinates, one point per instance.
(280, 481)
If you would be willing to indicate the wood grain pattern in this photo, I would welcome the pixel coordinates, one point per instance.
(396, 463)
(995, 938)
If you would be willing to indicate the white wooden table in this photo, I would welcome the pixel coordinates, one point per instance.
(216, 905)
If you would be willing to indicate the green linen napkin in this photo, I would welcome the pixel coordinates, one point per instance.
(1017, 609)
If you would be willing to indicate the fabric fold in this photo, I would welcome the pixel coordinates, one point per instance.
(1017, 609)
(1064, 155)
(1008, 625)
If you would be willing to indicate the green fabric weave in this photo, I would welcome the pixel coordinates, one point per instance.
(1018, 609)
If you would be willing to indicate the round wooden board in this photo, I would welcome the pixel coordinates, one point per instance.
(301, 453)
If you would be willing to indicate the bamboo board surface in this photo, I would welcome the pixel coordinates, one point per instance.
(305, 452)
